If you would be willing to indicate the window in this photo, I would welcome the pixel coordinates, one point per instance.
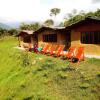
(50, 38)
(90, 37)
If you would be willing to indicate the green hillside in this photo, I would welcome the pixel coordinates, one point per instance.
(31, 76)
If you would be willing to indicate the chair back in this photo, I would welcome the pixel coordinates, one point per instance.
(45, 47)
(53, 48)
(60, 49)
(71, 52)
(80, 52)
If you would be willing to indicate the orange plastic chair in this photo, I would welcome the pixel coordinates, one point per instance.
(79, 55)
(60, 49)
(53, 48)
(46, 46)
(46, 49)
(56, 47)
(71, 52)
(49, 49)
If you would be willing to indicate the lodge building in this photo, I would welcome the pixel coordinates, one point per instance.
(83, 33)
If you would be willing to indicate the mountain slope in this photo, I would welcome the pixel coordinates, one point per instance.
(4, 26)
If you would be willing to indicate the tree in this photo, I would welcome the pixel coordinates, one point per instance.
(54, 11)
(32, 26)
(49, 22)
(61, 24)
(71, 15)
(89, 14)
(80, 16)
(13, 32)
(24, 26)
(3, 32)
(97, 13)
(36, 26)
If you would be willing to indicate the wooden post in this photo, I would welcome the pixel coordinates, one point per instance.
(18, 41)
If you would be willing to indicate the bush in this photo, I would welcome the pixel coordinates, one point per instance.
(25, 59)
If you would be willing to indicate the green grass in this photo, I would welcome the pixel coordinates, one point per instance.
(30, 76)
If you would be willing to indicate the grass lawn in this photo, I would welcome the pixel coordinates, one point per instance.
(30, 76)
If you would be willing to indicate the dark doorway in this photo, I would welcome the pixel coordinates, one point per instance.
(27, 39)
(68, 39)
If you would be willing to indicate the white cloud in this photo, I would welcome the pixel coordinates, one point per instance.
(20, 10)
(95, 1)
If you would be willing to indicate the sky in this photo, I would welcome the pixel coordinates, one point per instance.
(39, 10)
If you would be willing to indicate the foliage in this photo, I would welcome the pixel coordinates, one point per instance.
(8, 32)
(3, 32)
(32, 26)
(54, 11)
(25, 60)
(74, 17)
(13, 31)
(48, 22)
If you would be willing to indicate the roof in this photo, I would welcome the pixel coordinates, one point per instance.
(86, 20)
(55, 27)
(94, 18)
(29, 32)
(49, 28)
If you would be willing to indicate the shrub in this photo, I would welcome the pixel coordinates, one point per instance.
(25, 59)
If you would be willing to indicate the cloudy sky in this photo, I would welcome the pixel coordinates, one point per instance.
(39, 10)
